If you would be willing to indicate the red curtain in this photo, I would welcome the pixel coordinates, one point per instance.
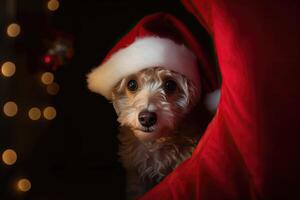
(251, 149)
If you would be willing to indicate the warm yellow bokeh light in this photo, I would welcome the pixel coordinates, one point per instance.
(8, 69)
(47, 78)
(10, 108)
(53, 5)
(9, 157)
(49, 113)
(24, 185)
(34, 113)
(13, 30)
(53, 88)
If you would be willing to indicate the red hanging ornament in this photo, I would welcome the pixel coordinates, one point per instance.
(59, 50)
(51, 62)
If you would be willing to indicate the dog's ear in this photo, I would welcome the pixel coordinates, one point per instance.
(114, 101)
(193, 93)
(116, 93)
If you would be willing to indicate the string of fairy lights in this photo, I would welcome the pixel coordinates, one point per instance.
(11, 109)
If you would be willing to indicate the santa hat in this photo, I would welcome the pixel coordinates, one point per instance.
(158, 40)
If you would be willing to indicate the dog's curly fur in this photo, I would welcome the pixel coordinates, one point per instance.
(148, 156)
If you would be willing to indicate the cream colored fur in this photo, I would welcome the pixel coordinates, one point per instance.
(149, 157)
(147, 163)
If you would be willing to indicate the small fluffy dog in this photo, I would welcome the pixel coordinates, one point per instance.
(156, 108)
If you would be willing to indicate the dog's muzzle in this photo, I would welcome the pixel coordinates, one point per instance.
(147, 119)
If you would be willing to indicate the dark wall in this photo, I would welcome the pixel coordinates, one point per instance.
(75, 156)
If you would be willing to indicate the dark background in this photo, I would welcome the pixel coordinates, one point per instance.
(75, 155)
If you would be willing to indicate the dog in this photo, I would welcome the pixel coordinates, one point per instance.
(159, 128)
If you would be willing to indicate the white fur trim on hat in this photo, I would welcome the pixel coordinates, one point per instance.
(141, 54)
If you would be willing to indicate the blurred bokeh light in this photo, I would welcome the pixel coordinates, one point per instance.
(8, 69)
(53, 5)
(49, 113)
(10, 108)
(9, 157)
(34, 113)
(24, 185)
(13, 30)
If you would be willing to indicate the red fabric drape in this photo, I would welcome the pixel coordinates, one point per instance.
(251, 149)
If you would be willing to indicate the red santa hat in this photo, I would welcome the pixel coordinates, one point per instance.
(158, 40)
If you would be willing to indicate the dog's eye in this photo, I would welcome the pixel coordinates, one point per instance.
(170, 86)
(132, 85)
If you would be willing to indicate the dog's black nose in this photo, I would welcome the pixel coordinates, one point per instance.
(147, 118)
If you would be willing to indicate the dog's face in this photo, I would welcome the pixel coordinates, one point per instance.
(153, 101)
